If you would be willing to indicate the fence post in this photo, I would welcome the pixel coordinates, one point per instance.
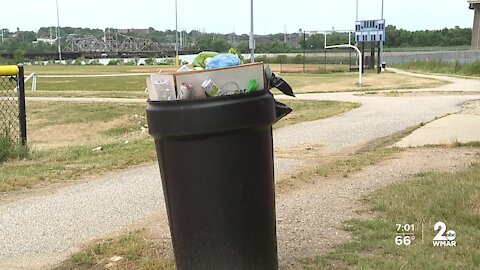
(21, 105)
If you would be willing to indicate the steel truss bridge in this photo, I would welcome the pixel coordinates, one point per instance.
(111, 45)
(115, 42)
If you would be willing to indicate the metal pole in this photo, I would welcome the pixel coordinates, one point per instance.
(58, 35)
(382, 9)
(21, 105)
(380, 53)
(360, 58)
(304, 49)
(356, 18)
(252, 38)
(325, 50)
(176, 34)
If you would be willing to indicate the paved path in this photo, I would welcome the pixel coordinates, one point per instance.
(41, 230)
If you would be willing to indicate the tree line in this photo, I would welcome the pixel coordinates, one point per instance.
(274, 43)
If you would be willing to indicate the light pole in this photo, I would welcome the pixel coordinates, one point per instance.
(381, 44)
(382, 10)
(252, 39)
(176, 34)
(58, 35)
(356, 18)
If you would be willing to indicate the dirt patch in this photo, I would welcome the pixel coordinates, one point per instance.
(381, 81)
(153, 69)
(310, 219)
(304, 151)
(76, 134)
(417, 93)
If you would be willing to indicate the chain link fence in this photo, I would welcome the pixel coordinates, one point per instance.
(12, 104)
(463, 57)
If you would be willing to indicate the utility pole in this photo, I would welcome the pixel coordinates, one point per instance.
(356, 18)
(58, 35)
(380, 55)
(176, 35)
(252, 38)
(304, 49)
(382, 9)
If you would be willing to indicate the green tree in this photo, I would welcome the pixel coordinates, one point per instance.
(220, 45)
(19, 56)
(204, 42)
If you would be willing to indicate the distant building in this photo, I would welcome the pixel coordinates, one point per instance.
(45, 40)
(132, 30)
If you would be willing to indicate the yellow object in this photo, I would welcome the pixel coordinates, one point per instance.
(177, 61)
(8, 70)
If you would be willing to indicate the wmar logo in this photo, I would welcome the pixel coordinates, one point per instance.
(442, 239)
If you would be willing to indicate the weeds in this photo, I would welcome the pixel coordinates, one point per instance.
(424, 200)
(439, 66)
(9, 149)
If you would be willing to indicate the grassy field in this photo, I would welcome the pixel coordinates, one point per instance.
(438, 66)
(134, 86)
(341, 82)
(450, 197)
(63, 134)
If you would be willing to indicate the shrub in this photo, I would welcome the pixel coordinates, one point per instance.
(115, 62)
(150, 61)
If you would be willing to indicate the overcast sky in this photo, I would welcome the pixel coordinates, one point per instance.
(271, 16)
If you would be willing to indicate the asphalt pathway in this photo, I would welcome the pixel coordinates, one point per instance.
(42, 230)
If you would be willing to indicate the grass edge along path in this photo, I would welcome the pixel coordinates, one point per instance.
(134, 250)
(423, 200)
(67, 164)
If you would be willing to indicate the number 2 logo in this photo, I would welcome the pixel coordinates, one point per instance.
(441, 227)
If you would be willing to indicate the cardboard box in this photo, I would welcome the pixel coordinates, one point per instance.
(231, 77)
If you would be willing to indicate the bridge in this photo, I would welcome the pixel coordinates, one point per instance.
(111, 45)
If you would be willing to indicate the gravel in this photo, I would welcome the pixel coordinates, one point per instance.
(41, 230)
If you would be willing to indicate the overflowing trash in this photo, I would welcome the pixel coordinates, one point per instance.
(214, 74)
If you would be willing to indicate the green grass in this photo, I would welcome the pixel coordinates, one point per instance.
(59, 113)
(348, 81)
(89, 94)
(70, 163)
(89, 70)
(423, 200)
(101, 87)
(135, 250)
(134, 86)
(438, 66)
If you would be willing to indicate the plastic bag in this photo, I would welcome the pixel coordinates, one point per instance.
(223, 60)
(201, 59)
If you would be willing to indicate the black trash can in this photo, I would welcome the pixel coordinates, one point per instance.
(216, 163)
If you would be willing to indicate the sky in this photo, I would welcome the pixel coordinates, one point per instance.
(270, 16)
